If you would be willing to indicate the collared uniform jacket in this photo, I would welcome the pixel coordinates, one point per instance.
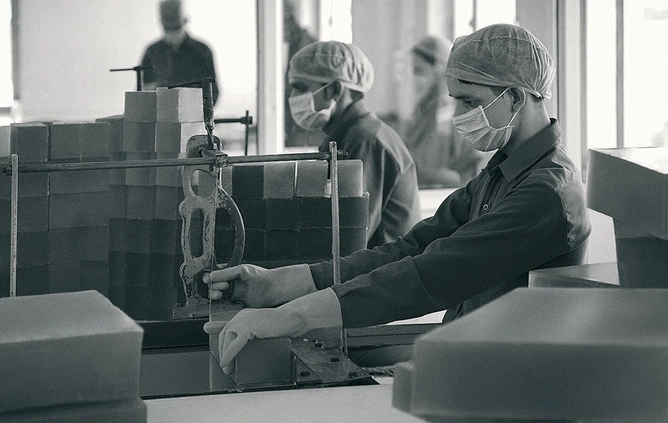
(389, 171)
(524, 211)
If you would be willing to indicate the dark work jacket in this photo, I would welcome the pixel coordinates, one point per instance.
(389, 172)
(524, 211)
(189, 61)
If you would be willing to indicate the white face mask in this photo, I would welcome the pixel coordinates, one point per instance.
(302, 109)
(474, 128)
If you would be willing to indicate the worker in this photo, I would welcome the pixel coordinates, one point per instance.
(328, 80)
(525, 211)
(442, 159)
(177, 57)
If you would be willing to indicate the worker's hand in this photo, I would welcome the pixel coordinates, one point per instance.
(318, 310)
(258, 287)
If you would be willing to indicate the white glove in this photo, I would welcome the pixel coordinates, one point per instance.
(257, 287)
(319, 310)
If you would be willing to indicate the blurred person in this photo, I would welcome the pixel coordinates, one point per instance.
(525, 211)
(328, 80)
(177, 57)
(442, 159)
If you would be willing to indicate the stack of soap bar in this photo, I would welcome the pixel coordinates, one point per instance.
(73, 355)
(631, 186)
(545, 354)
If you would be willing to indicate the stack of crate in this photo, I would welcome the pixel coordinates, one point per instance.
(287, 211)
(79, 209)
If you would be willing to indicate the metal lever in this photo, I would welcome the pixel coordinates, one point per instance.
(197, 241)
(137, 70)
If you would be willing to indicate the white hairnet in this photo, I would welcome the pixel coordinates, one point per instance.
(326, 61)
(503, 55)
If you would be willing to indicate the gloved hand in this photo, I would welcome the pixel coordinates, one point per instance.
(257, 287)
(319, 310)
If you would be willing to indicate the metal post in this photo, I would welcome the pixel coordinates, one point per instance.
(14, 224)
(336, 240)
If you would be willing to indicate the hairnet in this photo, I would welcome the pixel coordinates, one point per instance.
(503, 55)
(434, 48)
(326, 61)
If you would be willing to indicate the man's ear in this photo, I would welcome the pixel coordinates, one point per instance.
(519, 97)
(334, 90)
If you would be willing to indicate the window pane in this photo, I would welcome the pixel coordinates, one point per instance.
(601, 74)
(645, 70)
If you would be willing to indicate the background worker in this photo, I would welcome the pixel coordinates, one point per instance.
(328, 80)
(525, 211)
(177, 57)
(442, 159)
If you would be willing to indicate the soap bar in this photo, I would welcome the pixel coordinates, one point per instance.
(263, 361)
(180, 105)
(140, 106)
(126, 411)
(545, 353)
(68, 348)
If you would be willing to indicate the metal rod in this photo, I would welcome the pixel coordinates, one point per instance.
(14, 229)
(336, 240)
(58, 167)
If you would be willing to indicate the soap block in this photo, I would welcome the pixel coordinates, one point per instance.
(315, 243)
(5, 216)
(65, 141)
(351, 240)
(64, 277)
(32, 280)
(33, 214)
(253, 212)
(248, 181)
(140, 202)
(64, 246)
(283, 213)
(117, 201)
(95, 275)
(31, 185)
(94, 209)
(351, 178)
(315, 212)
(181, 104)
(167, 200)
(30, 141)
(97, 180)
(5, 138)
(138, 235)
(140, 176)
(95, 140)
(115, 132)
(94, 243)
(32, 248)
(172, 137)
(282, 244)
(127, 411)
(254, 249)
(166, 236)
(354, 212)
(38, 363)
(538, 354)
(137, 302)
(641, 257)
(263, 361)
(68, 182)
(137, 274)
(139, 137)
(311, 178)
(140, 106)
(64, 211)
(279, 179)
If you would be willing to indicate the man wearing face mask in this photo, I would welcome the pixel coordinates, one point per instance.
(525, 210)
(328, 80)
(176, 57)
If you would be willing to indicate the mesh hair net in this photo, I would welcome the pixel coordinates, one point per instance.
(503, 55)
(326, 61)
